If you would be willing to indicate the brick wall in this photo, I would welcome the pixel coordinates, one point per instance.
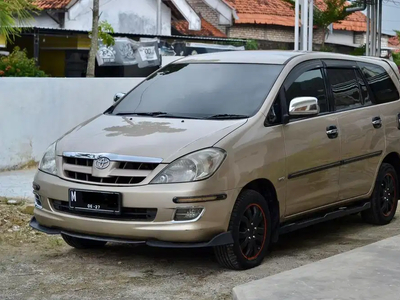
(206, 12)
(269, 32)
(256, 32)
(359, 38)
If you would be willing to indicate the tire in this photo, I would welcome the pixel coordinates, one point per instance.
(384, 198)
(79, 243)
(247, 252)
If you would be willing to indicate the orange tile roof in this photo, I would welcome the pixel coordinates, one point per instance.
(279, 12)
(206, 29)
(394, 42)
(51, 4)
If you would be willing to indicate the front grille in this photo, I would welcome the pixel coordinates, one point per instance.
(78, 161)
(111, 180)
(121, 173)
(127, 213)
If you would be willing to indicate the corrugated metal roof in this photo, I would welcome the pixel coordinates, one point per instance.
(141, 35)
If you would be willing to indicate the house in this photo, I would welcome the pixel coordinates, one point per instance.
(273, 21)
(57, 37)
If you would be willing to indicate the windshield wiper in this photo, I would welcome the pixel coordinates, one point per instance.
(227, 116)
(151, 114)
(156, 114)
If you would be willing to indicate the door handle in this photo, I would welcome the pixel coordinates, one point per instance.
(398, 121)
(377, 122)
(332, 132)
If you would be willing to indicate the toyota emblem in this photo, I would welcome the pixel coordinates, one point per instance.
(102, 163)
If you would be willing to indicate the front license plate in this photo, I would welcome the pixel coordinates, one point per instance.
(99, 202)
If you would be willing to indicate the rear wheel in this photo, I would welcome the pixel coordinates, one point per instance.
(79, 243)
(250, 226)
(384, 199)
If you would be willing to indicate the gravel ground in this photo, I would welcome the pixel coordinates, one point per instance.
(36, 266)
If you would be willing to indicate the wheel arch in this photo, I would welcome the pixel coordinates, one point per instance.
(393, 159)
(266, 188)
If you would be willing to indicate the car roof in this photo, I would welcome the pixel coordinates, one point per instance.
(264, 57)
(246, 56)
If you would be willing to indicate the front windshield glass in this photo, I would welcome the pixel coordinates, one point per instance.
(197, 90)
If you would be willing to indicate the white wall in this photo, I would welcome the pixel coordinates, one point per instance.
(125, 16)
(34, 112)
(341, 37)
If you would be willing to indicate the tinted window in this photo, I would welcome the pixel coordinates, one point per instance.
(345, 89)
(202, 90)
(364, 90)
(380, 82)
(309, 84)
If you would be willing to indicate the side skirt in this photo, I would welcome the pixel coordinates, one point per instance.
(331, 215)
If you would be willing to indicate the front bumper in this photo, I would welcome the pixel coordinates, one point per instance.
(162, 230)
(224, 238)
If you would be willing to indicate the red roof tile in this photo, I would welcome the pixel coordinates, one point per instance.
(394, 42)
(52, 4)
(278, 12)
(206, 29)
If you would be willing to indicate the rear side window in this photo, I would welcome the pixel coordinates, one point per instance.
(380, 82)
(345, 88)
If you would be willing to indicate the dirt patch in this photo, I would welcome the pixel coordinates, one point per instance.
(37, 266)
(14, 225)
(32, 164)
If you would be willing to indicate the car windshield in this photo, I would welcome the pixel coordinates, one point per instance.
(208, 90)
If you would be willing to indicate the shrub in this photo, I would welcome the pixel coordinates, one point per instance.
(396, 58)
(17, 64)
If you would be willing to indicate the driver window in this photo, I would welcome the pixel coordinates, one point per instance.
(309, 84)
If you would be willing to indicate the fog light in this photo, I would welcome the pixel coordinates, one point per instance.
(188, 214)
(38, 201)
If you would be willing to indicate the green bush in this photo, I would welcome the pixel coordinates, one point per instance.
(17, 64)
(396, 58)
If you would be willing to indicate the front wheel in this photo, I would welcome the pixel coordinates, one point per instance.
(250, 226)
(80, 243)
(384, 198)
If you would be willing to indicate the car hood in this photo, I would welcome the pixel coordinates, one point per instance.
(164, 138)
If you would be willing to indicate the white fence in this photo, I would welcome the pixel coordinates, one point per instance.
(34, 112)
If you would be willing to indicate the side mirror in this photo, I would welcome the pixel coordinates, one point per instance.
(118, 96)
(304, 106)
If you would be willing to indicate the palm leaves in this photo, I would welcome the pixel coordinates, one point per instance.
(13, 15)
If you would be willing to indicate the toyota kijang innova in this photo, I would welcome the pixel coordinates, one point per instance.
(229, 150)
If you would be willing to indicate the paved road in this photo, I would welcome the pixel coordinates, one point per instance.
(17, 184)
(367, 273)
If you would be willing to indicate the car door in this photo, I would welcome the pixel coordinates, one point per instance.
(360, 128)
(312, 148)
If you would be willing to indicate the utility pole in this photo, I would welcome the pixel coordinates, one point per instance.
(95, 40)
(159, 21)
(374, 26)
(307, 16)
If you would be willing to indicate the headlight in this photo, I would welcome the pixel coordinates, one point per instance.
(48, 162)
(193, 167)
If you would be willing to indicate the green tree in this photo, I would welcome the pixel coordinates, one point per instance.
(396, 55)
(332, 11)
(13, 13)
(105, 33)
